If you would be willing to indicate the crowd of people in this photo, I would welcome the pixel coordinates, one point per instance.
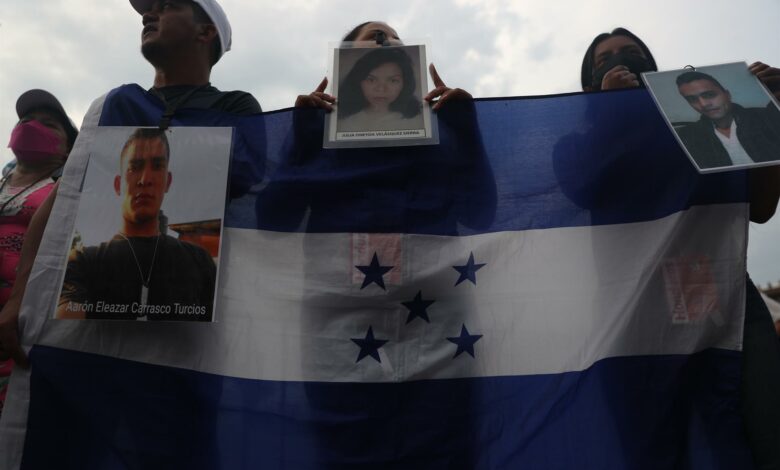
(184, 39)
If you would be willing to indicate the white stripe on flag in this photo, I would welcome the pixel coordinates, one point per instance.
(546, 301)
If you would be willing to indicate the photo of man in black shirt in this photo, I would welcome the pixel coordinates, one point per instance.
(141, 273)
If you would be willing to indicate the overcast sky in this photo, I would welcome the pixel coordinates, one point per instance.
(79, 49)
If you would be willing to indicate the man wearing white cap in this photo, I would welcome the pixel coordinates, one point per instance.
(182, 39)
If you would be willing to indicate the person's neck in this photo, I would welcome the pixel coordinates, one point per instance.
(26, 173)
(150, 228)
(377, 110)
(181, 74)
(723, 125)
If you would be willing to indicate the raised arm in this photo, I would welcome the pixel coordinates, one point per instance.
(765, 182)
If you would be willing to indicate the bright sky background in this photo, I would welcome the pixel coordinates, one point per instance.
(80, 49)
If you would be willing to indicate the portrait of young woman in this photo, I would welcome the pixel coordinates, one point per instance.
(381, 92)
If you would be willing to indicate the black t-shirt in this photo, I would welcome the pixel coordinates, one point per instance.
(105, 281)
(208, 97)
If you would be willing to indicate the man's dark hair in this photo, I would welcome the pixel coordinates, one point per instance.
(147, 133)
(588, 62)
(692, 76)
(351, 99)
(202, 17)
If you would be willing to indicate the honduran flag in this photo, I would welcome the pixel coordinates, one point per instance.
(552, 286)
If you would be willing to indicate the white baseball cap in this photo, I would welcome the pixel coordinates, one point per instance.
(212, 9)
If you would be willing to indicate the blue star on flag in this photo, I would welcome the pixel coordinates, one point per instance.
(465, 342)
(417, 308)
(369, 346)
(374, 273)
(469, 270)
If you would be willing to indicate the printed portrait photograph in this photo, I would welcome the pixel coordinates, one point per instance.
(722, 116)
(379, 92)
(147, 237)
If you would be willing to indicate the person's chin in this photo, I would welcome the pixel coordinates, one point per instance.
(152, 50)
(141, 217)
(714, 114)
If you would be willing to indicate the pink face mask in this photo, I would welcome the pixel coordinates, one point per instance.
(33, 142)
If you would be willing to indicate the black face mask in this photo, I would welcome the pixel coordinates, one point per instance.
(636, 64)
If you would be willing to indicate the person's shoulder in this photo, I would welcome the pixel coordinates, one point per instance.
(690, 129)
(760, 111)
(91, 253)
(125, 90)
(237, 102)
(190, 249)
(358, 116)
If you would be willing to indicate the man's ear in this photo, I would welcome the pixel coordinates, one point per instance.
(208, 33)
(170, 180)
(117, 184)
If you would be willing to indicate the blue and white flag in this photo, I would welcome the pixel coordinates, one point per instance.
(551, 287)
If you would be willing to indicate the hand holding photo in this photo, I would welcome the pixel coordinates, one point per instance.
(721, 115)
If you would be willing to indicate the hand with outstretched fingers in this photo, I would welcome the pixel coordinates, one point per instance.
(317, 99)
(769, 76)
(443, 92)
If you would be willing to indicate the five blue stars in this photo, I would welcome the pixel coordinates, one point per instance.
(469, 270)
(369, 346)
(417, 308)
(374, 273)
(465, 342)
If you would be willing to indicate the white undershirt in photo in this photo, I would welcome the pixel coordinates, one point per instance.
(733, 147)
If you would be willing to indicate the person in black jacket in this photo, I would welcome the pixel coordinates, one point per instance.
(726, 133)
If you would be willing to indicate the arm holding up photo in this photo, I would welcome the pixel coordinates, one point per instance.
(765, 182)
(728, 134)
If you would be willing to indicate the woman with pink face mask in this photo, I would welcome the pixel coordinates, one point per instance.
(40, 141)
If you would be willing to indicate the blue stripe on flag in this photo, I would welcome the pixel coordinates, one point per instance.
(530, 165)
(653, 412)
(534, 163)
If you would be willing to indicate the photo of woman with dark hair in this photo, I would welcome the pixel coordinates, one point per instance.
(378, 93)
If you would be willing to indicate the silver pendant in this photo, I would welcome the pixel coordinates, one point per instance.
(144, 294)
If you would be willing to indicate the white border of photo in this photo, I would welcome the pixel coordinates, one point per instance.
(424, 134)
(744, 88)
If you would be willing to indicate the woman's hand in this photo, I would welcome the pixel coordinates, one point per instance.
(443, 92)
(317, 99)
(769, 76)
(619, 77)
